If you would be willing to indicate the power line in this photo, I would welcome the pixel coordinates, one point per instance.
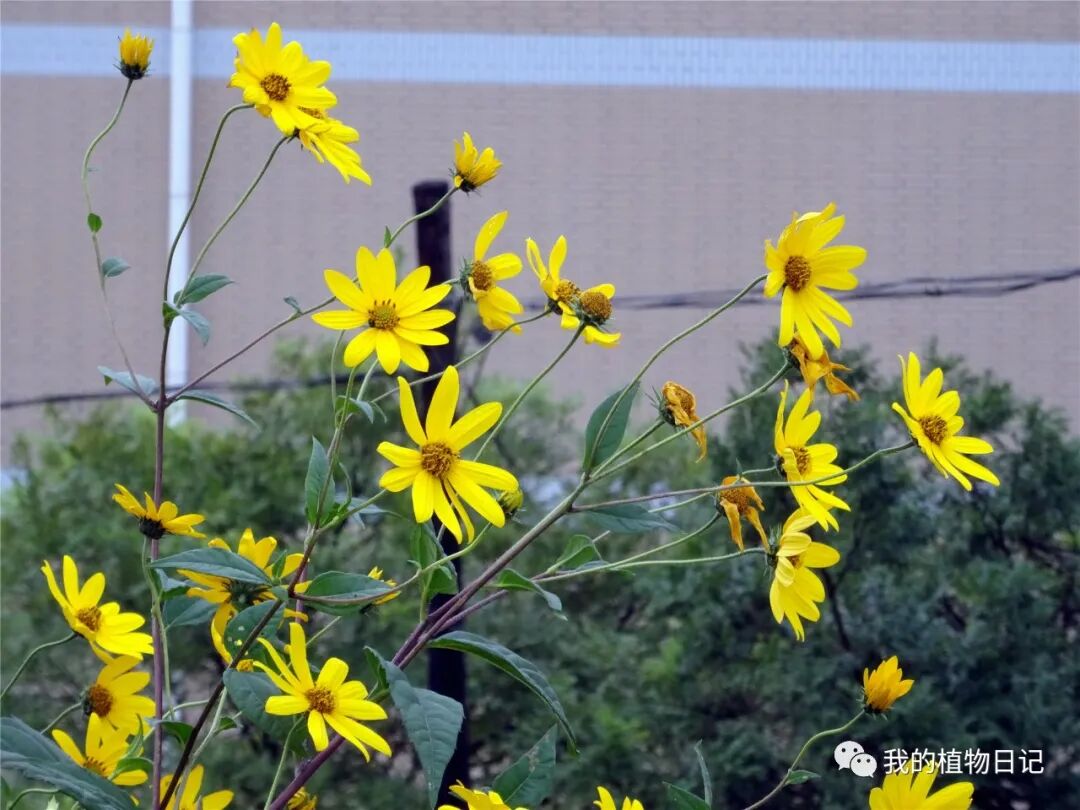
(977, 286)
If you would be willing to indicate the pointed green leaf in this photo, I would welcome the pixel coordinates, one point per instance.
(174, 728)
(207, 398)
(122, 378)
(628, 518)
(387, 237)
(200, 287)
(341, 586)
(425, 551)
(93, 221)
(679, 799)
(599, 448)
(317, 474)
(579, 551)
(511, 580)
(114, 266)
(185, 611)
(798, 777)
(249, 691)
(217, 562)
(706, 780)
(529, 780)
(198, 323)
(292, 302)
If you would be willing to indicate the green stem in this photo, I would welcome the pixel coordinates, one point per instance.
(280, 770)
(417, 217)
(30, 792)
(30, 657)
(73, 707)
(656, 356)
(820, 735)
(155, 611)
(180, 706)
(526, 391)
(624, 450)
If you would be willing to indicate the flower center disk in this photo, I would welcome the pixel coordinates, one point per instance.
(796, 272)
(566, 291)
(92, 764)
(320, 699)
(482, 277)
(596, 305)
(739, 496)
(383, 315)
(91, 617)
(99, 701)
(276, 86)
(437, 458)
(935, 428)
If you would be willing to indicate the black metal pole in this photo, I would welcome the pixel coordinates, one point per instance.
(446, 668)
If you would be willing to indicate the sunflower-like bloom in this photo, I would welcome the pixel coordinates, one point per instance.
(807, 462)
(135, 50)
(439, 477)
(820, 368)
(190, 799)
(803, 267)
(473, 168)
(330, 699)
(606, 802)
(156, 521)
(399, 317)
(478, 800)
(280, 81)
(566, 297)
(376, 574)
(327, 140)
(114, 696)
(884, 686)
(104, 626)
(908, 790)
(511, 502)
(678, 407)
(302, 800)
(104, 748)
(738, 503)
(497, 307)
(931, 417)
(795, 588)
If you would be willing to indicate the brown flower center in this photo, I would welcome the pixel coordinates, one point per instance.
(437, 458)
(96, 766)
(741, 497)
(151, 528)
(91, 617)
(99, 701)
(482, 276)
(383, 315)
(567, 291)
(935, 428)
(802, 459)
(320, 699)
(596, 305)
(276, 86)
(796, 272)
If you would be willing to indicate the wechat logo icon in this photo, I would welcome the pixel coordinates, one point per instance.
(852, 756)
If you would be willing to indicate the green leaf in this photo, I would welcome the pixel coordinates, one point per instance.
(226, 723)
(431, 720)
(340, 585)
(240, 626)
(207, 398)
(217, 562)
(679, 799)
(168, 312)
(578, 552)
(292, 302)
(93, 221)
(798, 777)
(198, 323)
(369, 409)
(133, 764)
(184, 611)
(24, 750)
(387, 237)
(628, 518)
(706, 780)
(425, 551)
(113, 266)
(529, 780)
(174, 728)
(599, 449)
(317, 473)
(124, 379)
(513, 665)
(200, 287)
(511, 580)
(249, 691)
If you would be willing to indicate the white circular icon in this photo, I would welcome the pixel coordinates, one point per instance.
(863, 765)
(845, 751)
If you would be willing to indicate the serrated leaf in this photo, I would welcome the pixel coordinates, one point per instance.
(706, 780)
(292, 302)
(431, 720)
(249, 691)
(511, 580)
(198, 322)
(217, 562)
(114, 266)
(628, 518)
(200, 287)
(93, 221)
(518, 668)
(599, 448)
(205, 397)
(184, 611)
(579, 550)
(679, 799)
(122, 378)
(318, 472)
(529, 780)
(798, 777)
(343, 586)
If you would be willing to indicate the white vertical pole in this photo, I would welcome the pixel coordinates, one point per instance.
(180, 127)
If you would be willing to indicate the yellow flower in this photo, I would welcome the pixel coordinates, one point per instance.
(330, 699)
(814, 369)
(795, 588)
(302, 800)
(679, 408)
(114, 696)
(104, 626)
(497, 307)
(802, 265)
(190, 800)
(327, 140)
(280, 81)
(566, 297)
(478, 800)
(104, 748)
(155, 521)
(439, 477)
(931, 417)
(884, 686)
(473, 168)
(905, 790)
(803, 462)
(738, 503)
(376, 573)
(399, 316)
(606, 802)
(135, 52)
(511, 501)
